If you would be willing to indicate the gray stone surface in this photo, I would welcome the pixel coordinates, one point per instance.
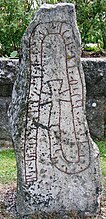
(57, 161)
(95, 75)
(8, 71)
(4, 125)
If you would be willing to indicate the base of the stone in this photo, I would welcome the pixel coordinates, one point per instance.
(69, 215)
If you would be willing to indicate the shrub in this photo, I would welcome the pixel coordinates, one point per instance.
(15, 17)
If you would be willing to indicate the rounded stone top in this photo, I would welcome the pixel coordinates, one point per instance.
(61, 12)
(49, 6)
(54, 12)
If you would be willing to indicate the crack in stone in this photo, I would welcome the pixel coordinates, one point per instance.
(37, 124)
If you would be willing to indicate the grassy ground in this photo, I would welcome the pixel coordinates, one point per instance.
(7, 166)
(102, 147)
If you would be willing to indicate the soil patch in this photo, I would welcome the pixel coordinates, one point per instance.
(86, 54)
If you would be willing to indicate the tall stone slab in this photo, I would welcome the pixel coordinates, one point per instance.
(57, 161)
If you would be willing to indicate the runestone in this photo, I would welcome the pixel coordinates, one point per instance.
(57, 162)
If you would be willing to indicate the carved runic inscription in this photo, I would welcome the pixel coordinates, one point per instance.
(55, 101)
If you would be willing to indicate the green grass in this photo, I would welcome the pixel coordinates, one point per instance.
(7, 166)
(102, 147)
(103, 164)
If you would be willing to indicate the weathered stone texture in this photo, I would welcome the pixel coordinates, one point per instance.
(8, 71)
(4, 103)
(57, 161)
